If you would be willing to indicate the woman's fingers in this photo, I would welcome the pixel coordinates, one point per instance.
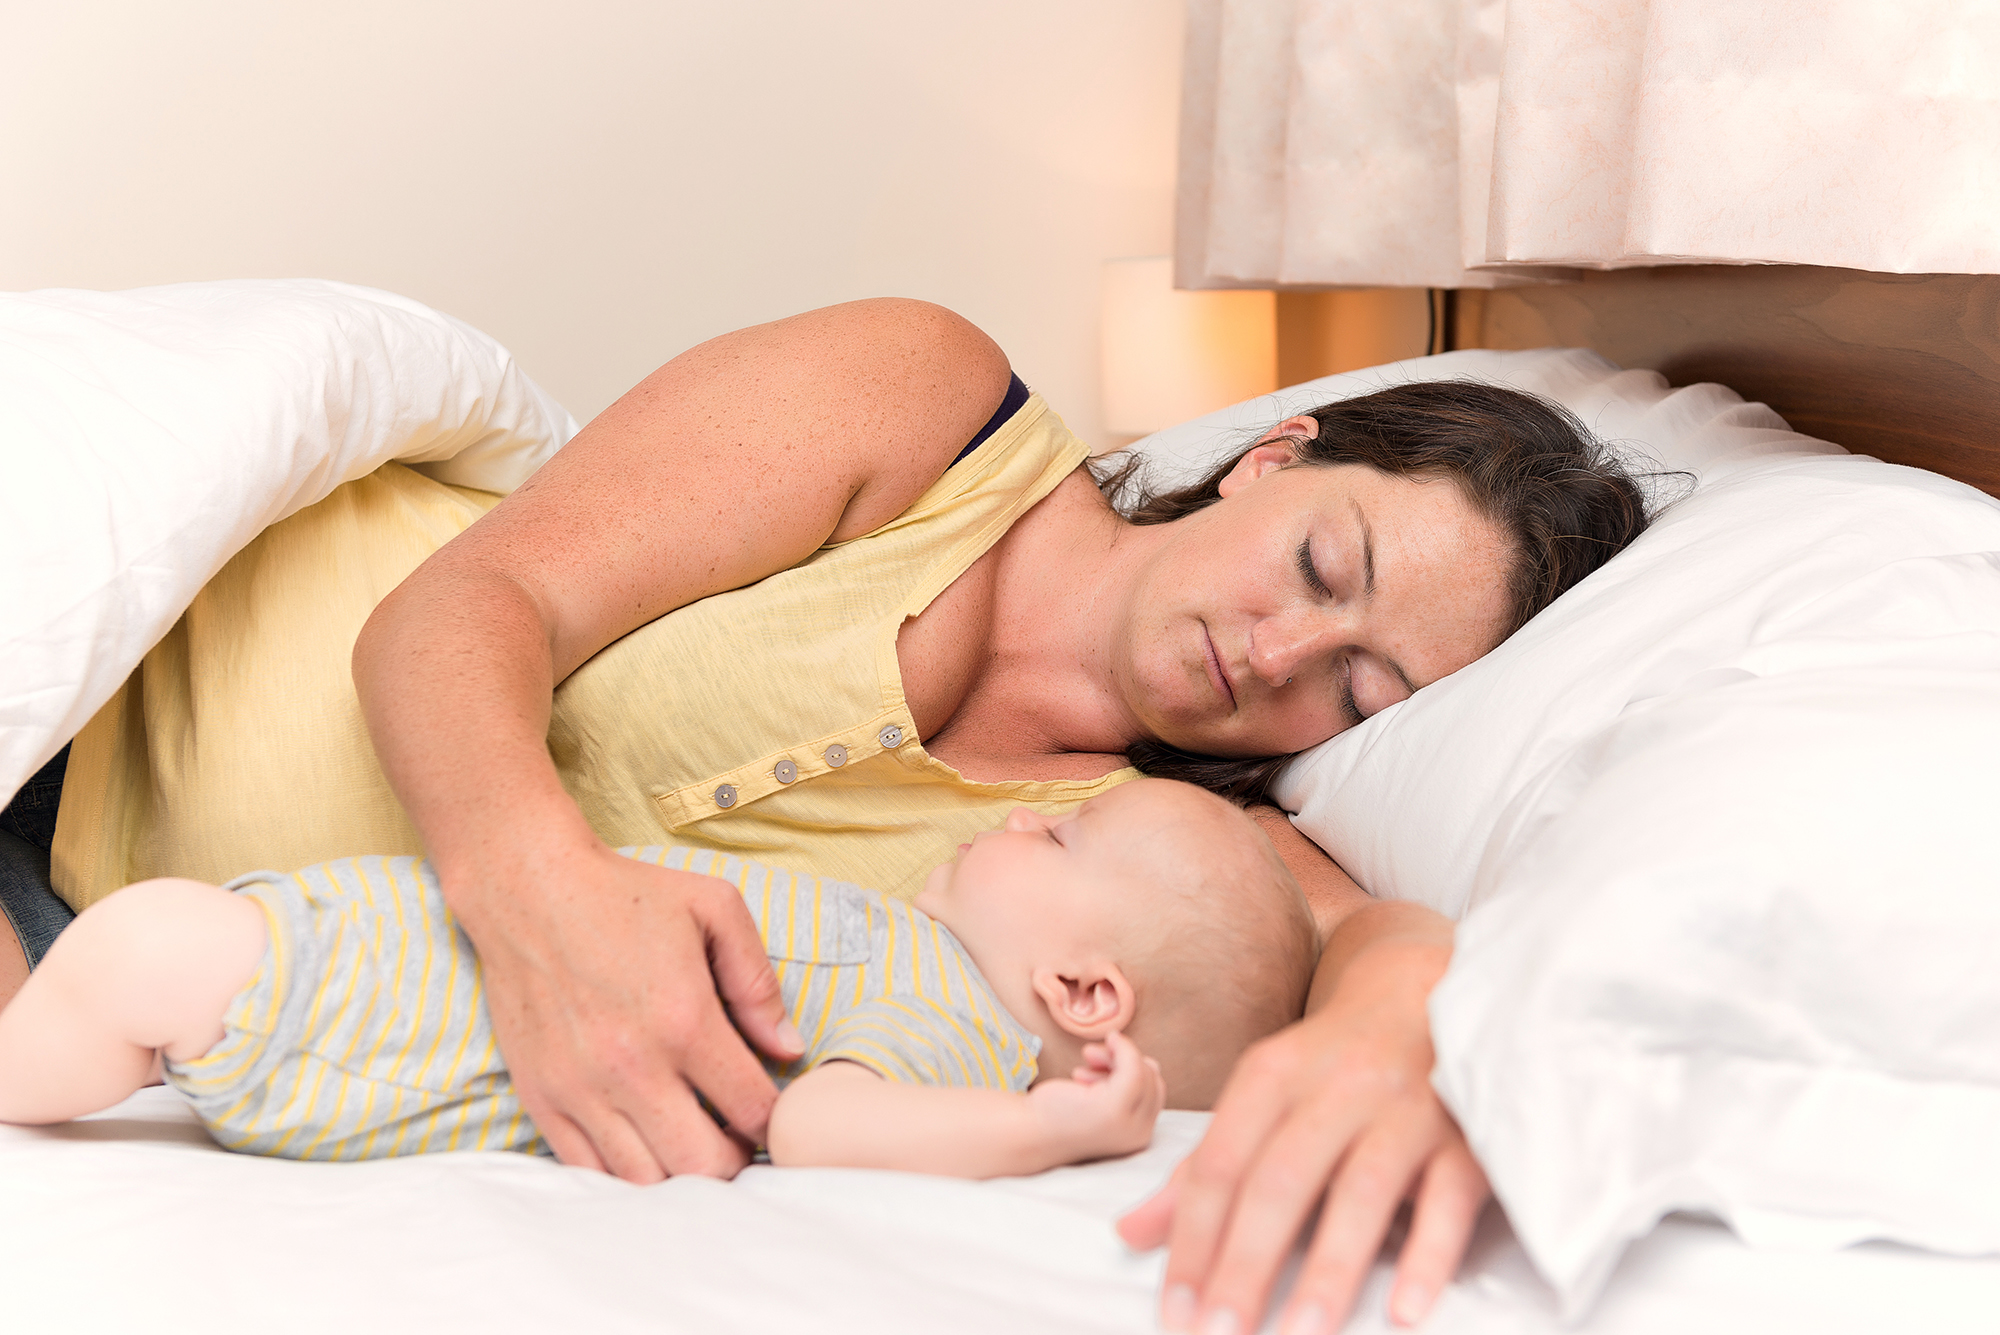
(634, 1127)
(714, 1060)
(626, 1153)
(1360, 1206)
(1146, 1225)
(1278, 1193)
(646, 1119)
(568, 1141)
(743, 974)
(693, 1143)
(1369, 1182)
(1449, 1201)
(1252, 1105)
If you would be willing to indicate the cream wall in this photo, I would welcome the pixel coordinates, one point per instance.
(600, 185)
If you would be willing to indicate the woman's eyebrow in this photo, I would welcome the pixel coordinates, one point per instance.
(1368, 585)
(1368, 560)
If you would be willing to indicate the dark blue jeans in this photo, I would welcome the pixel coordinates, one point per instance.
(27, 828)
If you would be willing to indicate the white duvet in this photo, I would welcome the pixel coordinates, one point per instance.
(148, 435)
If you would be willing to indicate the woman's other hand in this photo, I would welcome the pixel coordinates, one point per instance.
(1336, 1111)
(612, 1020)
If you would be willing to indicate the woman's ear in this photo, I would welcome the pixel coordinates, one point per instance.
(1276, 450)
(1090, 1002)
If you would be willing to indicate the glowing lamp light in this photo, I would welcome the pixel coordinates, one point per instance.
(1169, 355)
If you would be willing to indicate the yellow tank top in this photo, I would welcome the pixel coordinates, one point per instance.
(768, 722)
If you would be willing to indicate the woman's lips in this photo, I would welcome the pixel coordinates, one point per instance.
(1217, 677)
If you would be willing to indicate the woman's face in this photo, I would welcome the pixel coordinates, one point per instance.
(1306, 599)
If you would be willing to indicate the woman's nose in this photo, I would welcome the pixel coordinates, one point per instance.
(1281, 645)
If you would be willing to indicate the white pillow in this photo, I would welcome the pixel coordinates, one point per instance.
(1723, 816)
(150, 434)
(1700, 427)
(1737, 951)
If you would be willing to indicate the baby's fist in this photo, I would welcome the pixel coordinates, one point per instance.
(1109, 1107)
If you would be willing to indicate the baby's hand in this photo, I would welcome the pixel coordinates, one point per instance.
(1107, 1107)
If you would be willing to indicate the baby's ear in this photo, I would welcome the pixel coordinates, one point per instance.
(1090, 1002)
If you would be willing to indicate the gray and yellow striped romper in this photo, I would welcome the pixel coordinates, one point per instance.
(364, 1034)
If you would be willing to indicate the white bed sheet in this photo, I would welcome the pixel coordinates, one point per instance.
(133, 1220)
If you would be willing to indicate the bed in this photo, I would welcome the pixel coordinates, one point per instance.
(1668, 795)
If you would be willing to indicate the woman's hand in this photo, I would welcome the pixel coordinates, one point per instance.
(607, 981)
(1336, 1111)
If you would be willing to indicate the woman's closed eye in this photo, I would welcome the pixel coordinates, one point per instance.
(1310, 572)
(1349, 710)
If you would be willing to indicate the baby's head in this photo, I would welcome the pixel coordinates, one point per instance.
(1157, 908)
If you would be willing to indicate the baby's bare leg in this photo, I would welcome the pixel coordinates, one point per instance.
(149, 970)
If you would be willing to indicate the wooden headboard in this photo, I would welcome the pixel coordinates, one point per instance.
(1904, 367)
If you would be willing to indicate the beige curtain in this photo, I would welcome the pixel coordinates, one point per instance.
(1467, 143)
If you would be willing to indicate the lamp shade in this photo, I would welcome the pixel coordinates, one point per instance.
(1169, 355)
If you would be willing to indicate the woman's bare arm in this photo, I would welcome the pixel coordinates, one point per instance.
(736, 459)
(1330, 891)
(1338, 1111)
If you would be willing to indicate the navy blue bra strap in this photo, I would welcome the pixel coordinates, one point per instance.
(1017, 394)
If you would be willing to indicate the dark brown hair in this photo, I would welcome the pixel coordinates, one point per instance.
(1527, 465)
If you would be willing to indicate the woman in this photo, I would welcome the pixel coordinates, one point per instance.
(529, 698)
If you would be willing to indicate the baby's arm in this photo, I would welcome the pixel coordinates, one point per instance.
(844, 1115)
(149, 970)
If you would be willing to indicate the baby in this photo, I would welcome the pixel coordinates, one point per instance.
(336, 1013)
